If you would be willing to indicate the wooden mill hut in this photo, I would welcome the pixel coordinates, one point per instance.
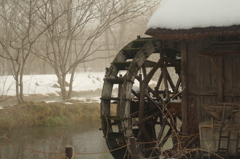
(193, 59)
(209, 37)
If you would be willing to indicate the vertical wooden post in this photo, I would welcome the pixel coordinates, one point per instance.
(133, 148)
(119, 95)
(164, 70)
(220, 82)
(184, 78)
(69, 150)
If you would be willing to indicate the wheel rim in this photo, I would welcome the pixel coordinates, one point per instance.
(145, 116)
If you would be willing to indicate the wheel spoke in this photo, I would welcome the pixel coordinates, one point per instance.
(144, 71)
(141, 112)
(159, 81)
(156, 94)
(164, 70)
(163, 125)
(170, 80)
(135, 93)
(177, 86)
(154, 69)
(149, 63)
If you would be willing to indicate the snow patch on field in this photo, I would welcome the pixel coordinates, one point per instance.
(48, 84)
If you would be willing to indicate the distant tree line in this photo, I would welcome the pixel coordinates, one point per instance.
(65, 36)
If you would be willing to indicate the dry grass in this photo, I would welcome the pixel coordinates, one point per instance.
(79, 93)
(47, 114)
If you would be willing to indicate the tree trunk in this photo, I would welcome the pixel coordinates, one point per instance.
(61, 81)
(71, 83)
(21, 83)
(17, 90)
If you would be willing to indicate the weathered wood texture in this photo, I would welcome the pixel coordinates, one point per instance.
(185, 79)
(209, 81)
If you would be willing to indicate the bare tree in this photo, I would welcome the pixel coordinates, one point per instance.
(117, 36)
(21, 31)
(78, 34)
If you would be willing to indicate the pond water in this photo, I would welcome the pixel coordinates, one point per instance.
(50, 142)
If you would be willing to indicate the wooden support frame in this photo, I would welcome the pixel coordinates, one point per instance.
(133, 148)
(184, 79)
(221, 82)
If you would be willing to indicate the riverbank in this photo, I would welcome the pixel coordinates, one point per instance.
(32, 114)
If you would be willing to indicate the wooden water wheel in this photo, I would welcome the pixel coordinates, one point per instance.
(141, 98)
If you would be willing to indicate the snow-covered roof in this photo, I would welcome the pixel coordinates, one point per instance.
(188, 14)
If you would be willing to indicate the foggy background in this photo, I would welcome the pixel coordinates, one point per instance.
(91, 31)
(64, 37)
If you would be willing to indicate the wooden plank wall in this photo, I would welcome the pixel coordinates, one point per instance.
(204, 81)
(231, 70)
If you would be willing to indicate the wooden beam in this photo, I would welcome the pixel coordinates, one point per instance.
(184, 79)
(153, 70)
(221, 81)
(170, 80)
(119, 96)
(133, 148)
(143, 87)
(164, 70)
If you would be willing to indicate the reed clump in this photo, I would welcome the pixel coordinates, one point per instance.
(31, 114)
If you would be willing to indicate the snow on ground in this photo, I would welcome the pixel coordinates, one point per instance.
(44, 84)
(187, 14)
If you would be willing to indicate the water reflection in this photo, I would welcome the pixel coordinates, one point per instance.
(50, 142)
